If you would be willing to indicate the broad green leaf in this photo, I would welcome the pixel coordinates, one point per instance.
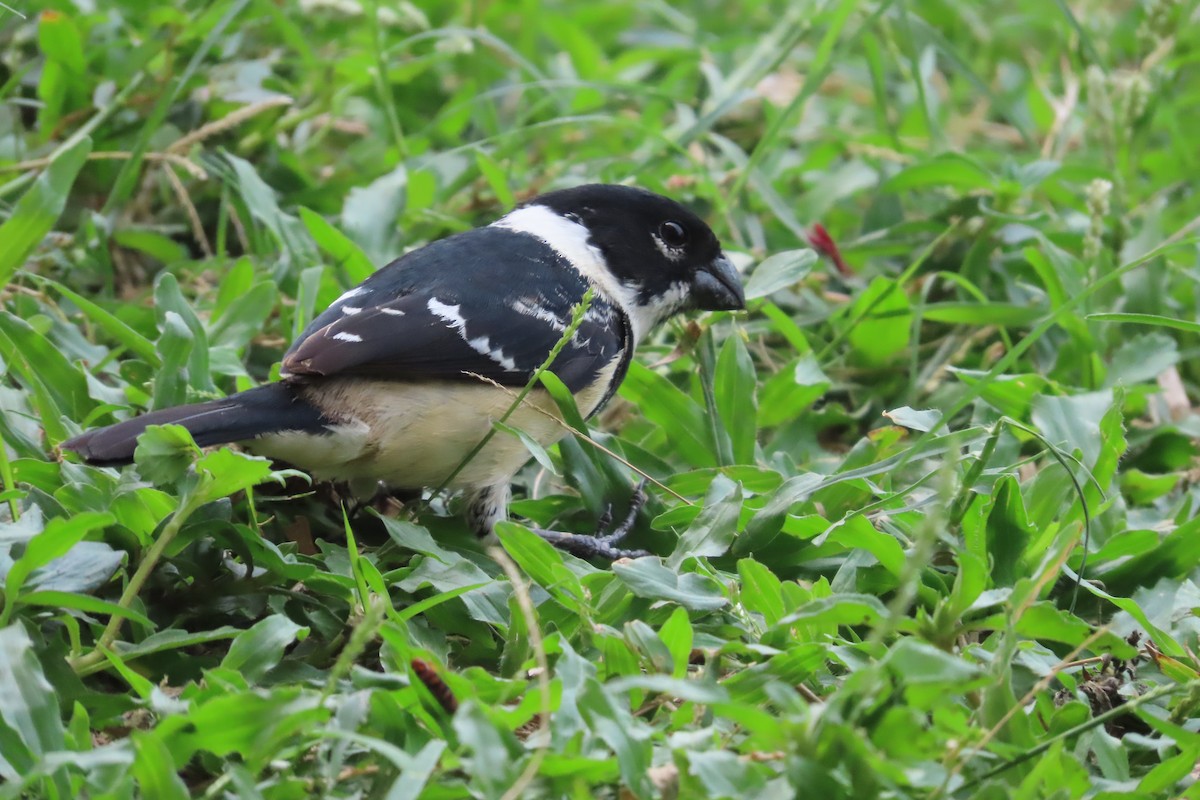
(647, 577)
(914, 419)
(258, 649)
(949, 169)
(679, 417)
(245, 317)
(50, 598)
(711, 533)
(1073, 422)
(643, 639)
(857, 533)
(1008, 533)
(28, 702)
(172, 309)
(881, 322)
(164, 453)
(734, 389)
(676, 633)
(39, 208)
(767, 522)
(843, 609)
(55, 541)
(43, 363)
(543, 563)
(779, 271)
(761, 592)
(346, 254)
(232, 471)
(914, 661)
(154, 769)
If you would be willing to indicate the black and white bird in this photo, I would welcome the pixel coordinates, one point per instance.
(385, 385)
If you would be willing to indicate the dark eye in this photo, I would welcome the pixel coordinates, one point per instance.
(673, 234)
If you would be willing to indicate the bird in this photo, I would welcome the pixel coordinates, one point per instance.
(402, 376)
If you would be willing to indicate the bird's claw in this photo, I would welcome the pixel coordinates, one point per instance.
(605, 543)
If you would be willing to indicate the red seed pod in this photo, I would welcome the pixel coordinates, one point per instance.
(824, 244)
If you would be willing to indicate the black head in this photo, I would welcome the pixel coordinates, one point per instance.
(666, 256)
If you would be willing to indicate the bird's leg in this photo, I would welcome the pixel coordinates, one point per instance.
(605, 543)
(489, 505)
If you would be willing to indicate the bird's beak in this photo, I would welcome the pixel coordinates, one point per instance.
(717, 287)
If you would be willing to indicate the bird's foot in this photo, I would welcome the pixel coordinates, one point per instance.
(605, 543)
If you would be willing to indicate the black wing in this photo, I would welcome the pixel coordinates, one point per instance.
(490, 301)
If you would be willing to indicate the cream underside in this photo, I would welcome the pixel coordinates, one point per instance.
(415, 435)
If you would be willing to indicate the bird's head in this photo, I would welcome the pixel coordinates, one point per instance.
(653, 255)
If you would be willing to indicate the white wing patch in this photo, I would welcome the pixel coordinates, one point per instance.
(350, 309)
(392, 312)
(342, 336)
(539, 312)
(480, 344)
(570, 240)
(351, 293)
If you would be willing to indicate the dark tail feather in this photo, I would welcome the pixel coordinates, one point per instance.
(267, 409)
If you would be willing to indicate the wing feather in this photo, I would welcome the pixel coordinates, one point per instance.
(487, 302)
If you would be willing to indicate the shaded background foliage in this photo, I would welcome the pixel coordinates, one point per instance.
(876, 488)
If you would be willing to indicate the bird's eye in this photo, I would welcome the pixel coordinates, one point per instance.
(673, 234)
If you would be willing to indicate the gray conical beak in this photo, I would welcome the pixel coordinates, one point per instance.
(718, 287)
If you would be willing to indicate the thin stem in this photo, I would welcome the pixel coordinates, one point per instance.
(89, 662)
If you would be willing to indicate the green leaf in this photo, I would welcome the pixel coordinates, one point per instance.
(258, 649)
(842, 609)
(154, 769)
(174, 639)
(647, 577)
(39, 208)
(1142, 358)
(711, 533)
(734, 390)
(766, 524)
(43, 363)
(725, 774)
(681, 419)
(245, 317)
(914, 661)
(779, 271)
(676, 634)
(348, 257)
(948, 169)
(84, 568)
(48, 598)
(882, 322)
(1155, 320)
(857, 533)
(231, 471)
(493, 751)
(914, 419)
(532, 445)
(28, 703)
(124, 335)
(1074, 422)
(55, 540)
(1008, 533)
(172, 309)
(164, 453)
(543, 563)
(762, 592)
(643, 639)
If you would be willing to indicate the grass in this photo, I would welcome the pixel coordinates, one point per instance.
(927, 528)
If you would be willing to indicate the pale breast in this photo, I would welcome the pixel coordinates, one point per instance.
(414, 435)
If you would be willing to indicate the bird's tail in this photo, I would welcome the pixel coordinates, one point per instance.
(247, 415)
